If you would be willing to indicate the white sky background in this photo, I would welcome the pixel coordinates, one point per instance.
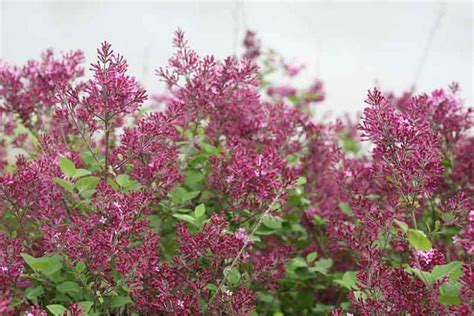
(349, 45)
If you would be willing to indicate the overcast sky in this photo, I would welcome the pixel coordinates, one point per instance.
(349, 45)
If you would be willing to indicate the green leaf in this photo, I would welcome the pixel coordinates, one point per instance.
(119, 301)
(126, 182)
(233, 275)
(449, 299)
(87, 194)
(82, 173)
(272, 222)
(265, 297)
(85, 306)
(63, 183)
(181, 195)
(422, 275)
(34, 292)
(296, 263)
(16, 302)
(359, 295)
(449, 293)
(211, 287)
(311, 257)
(80, 267)
(87, 185)
(192, 177)
(68, 287)
(349, 280)
(345, 208)
(418, 240)
(300, 181)
(200, 210)
(402, 225)
(67, 167)
(56, 309)
(185, 217)
(350, 145)
(190, 195)
(47, 265)
(439, 272)
(293, 99)
(209, 149)
(87, 158)
(113, 184)
(322, 266)
(122, 179)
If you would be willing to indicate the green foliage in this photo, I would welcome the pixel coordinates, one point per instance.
(67, 167)
(452, 269)
(47, 265)
(232, 275)
(126, 183)
(119, 301)
(56, 309)
(418, 240)
(448, 290)
(311, 257)
(348, 281)
(68, 287)
(86, 186)
(449, 293)
(199, 211)
(272, 222)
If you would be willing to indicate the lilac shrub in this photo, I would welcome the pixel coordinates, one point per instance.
(227, 197)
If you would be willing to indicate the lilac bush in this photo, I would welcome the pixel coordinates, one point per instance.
(227, 197)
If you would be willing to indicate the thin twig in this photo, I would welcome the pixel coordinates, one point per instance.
(81, 132)
(244, 246)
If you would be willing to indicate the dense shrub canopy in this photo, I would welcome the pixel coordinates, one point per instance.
(223, 195)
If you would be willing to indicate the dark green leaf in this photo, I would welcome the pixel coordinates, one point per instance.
(119, 301)
(34, 292)
(211, 287)
(68, 287)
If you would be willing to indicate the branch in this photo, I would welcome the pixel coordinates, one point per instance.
(244, 246)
